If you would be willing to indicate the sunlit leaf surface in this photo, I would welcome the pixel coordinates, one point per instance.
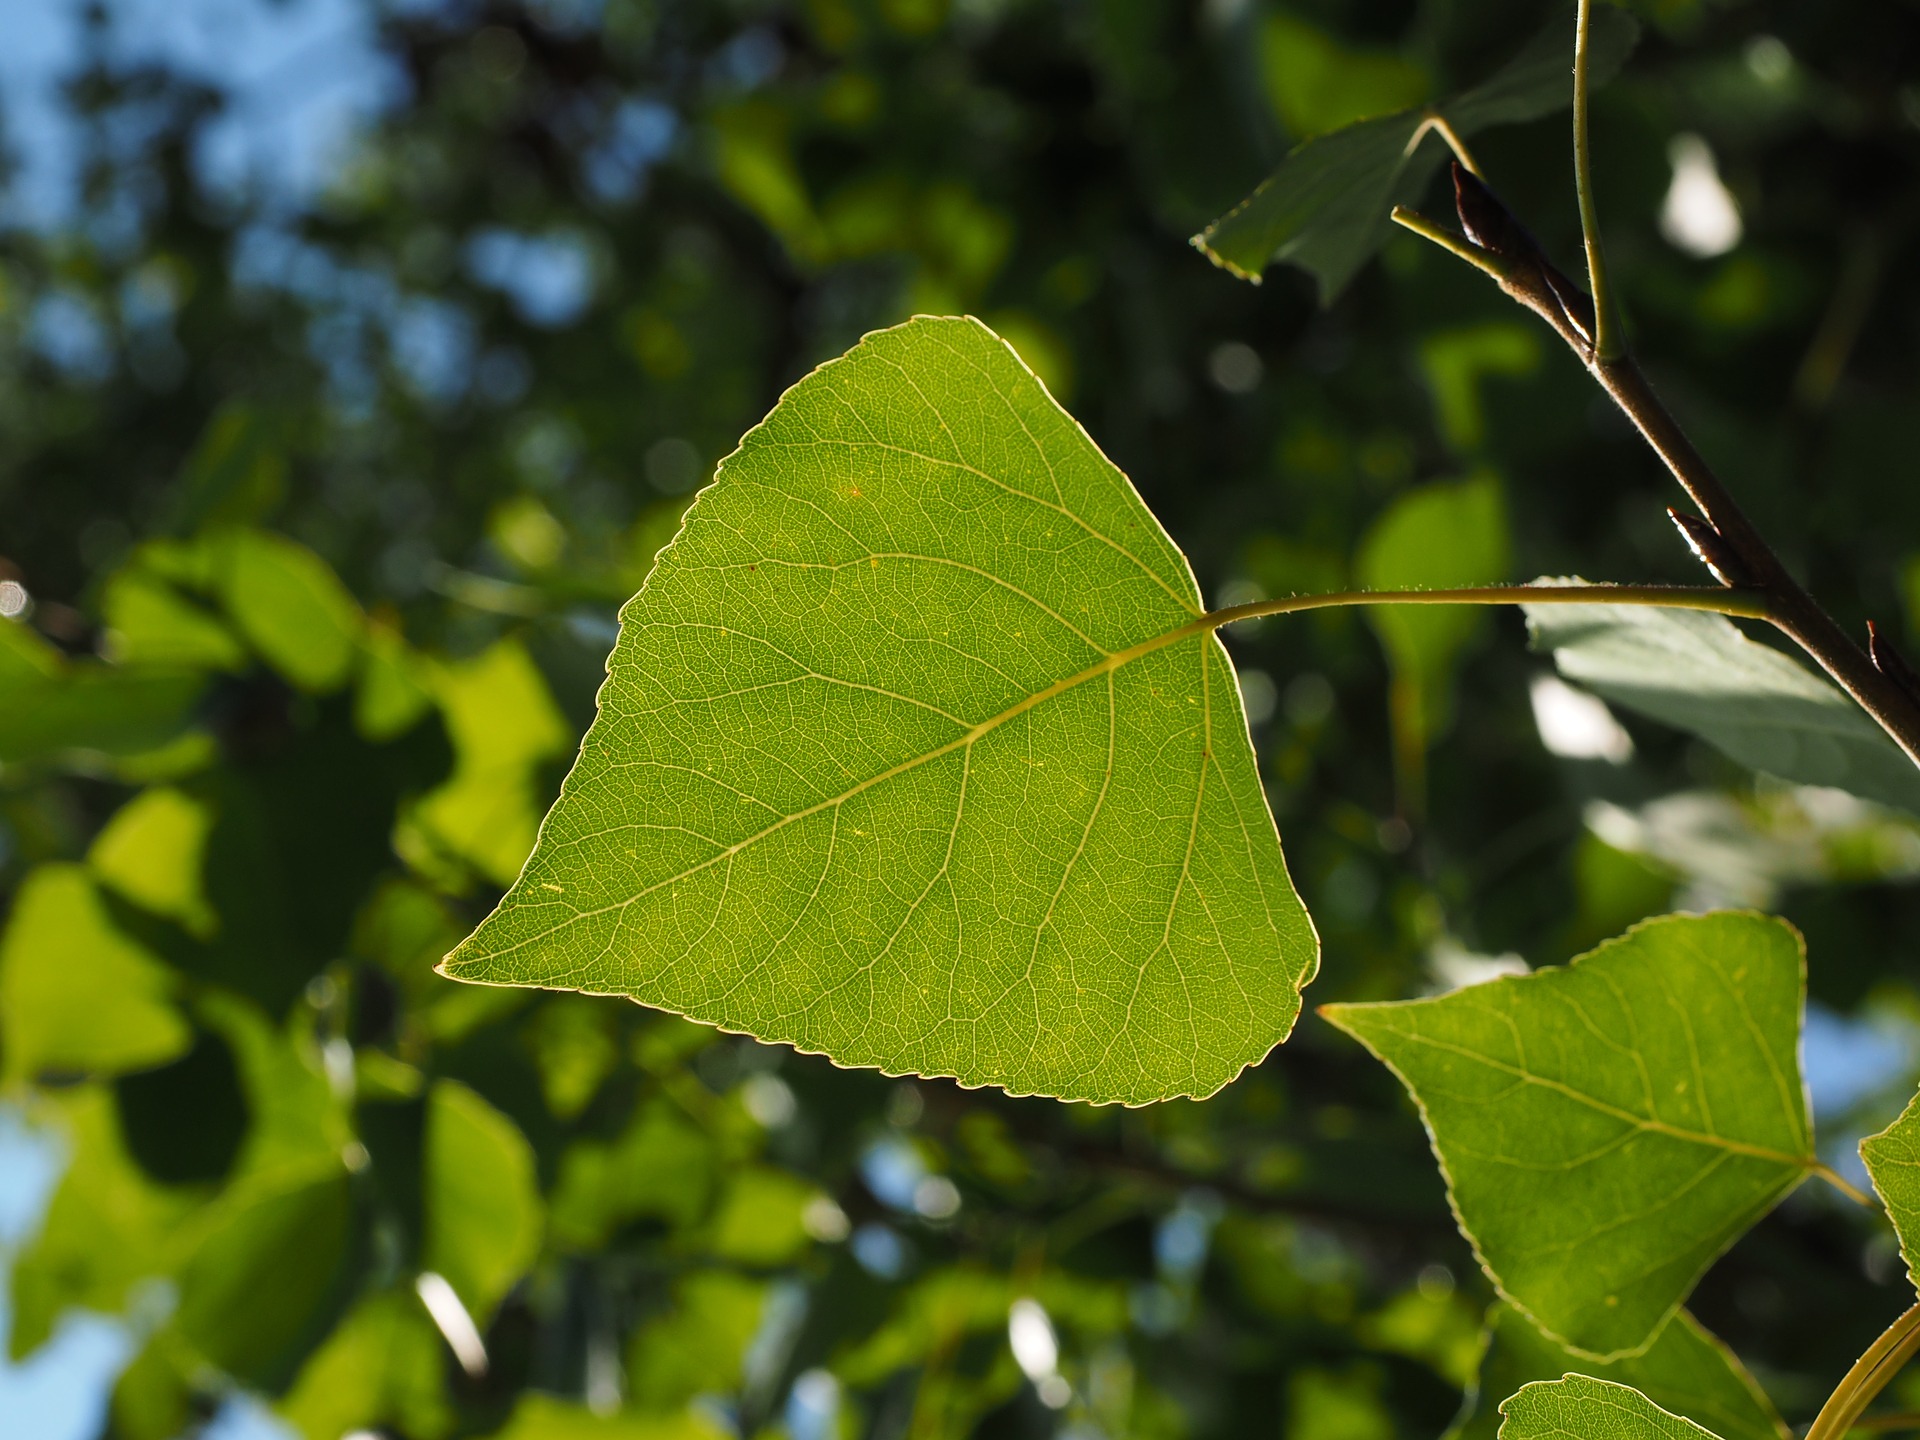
(1608, 1128)
(1893, 1161)
(914, 751)
(1685, 1370)
(1593, 1410)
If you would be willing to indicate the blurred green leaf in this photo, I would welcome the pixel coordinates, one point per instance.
(542, 1417)
(1685, 1370)
(266, 1271)
(151, 623)
(290, 606)
(1608, 1128)
(236, 474)
(151, 853)
(1326, 208)
(107, 1227)
(503, 724)
(760, 1219)
(1440, 536)
(482, 1199)
(663, 1167)
(699, 1346)
(50, 705)
(1893, 1162)
(383, 1367)
(77, 995)
(917, 588)
(1579, 1405)
(395, 687)
(1456, 361)
(1315, 83)
(1699, 673)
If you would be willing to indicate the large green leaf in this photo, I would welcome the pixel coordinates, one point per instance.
(1685, 1370)
(76, 994)
(1592, 1410)
(1893, 1161)
(1326, 208)
(1608, 1128)
(1697, 672)
(915, 750)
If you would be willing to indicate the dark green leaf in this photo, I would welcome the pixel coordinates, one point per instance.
(1326, 208)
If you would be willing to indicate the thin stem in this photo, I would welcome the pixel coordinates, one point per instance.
(1673, 597)
(1840, 1183)
(1606, 333)
(1436, 123)
(1867, 1378)
(1453, 244)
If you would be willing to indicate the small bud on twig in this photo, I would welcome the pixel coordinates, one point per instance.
(1710, 549)
(1891, 663)
(1527, 274)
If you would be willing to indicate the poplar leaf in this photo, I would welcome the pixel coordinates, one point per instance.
(1893, 1163)
(1686, 1370)
(1592, 1409)
(1608, 1128)
(1326, 207)
(916, 750)
(1698, 672)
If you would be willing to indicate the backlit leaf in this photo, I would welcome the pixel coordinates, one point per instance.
(266, 1271)
(483, 1213)
(915, 751)
(1608, 1128)
(1326, 208)
(383, 1366)
(290, 605)
(1685, 1370)
(151, 853)
(544, 1417)
(50, 705)
(1593, 1410)
(76, 994)
(1893, 1161)
(1699, 673)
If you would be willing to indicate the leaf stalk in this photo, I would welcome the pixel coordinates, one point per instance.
(1607, 344)
(1868, 1377)
(1748, 604)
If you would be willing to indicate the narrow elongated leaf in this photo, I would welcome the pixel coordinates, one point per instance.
(1686, 1370)
(1698, 673)
(1608, 1128)
(915, 750)
(1326, 208)
(1593, 1410)
(1893, 1162)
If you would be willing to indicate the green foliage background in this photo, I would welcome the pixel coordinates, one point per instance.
(318, 614)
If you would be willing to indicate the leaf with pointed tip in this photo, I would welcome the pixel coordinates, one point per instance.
(1698, 672)
(1893, 1162)
(1326, 208)
(916, 750)
(1608, 1128)
(1593, 1410)
(1686, 1370)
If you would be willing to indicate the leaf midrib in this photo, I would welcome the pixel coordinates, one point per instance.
(1203, 625)
(1652, 1126)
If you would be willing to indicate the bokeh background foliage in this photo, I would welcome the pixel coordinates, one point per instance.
(315, 509)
